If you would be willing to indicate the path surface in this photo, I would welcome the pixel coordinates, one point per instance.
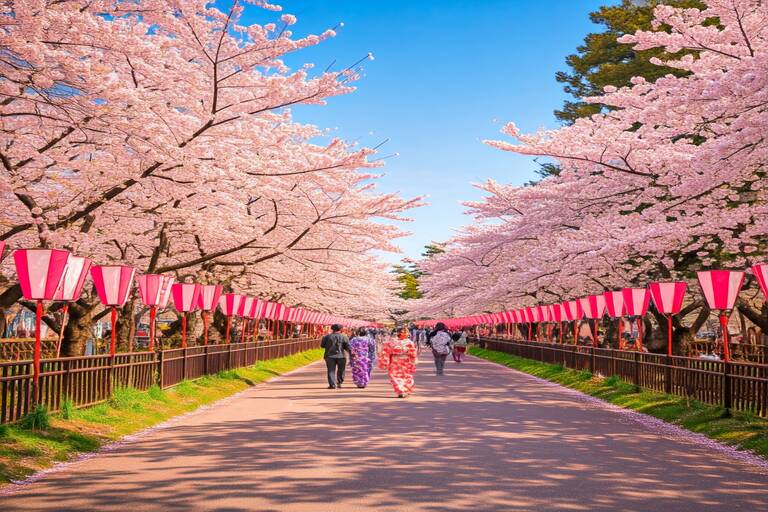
(481, 438)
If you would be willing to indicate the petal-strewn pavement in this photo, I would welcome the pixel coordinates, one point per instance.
(480, 438)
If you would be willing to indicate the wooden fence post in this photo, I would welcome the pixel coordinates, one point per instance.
(229, 356)
(668, 375)
(184, 363)
(160, 365)
(727, 392)
(205, 360)
(65, 380)
(636, 379)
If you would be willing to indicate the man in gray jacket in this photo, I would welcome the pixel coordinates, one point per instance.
(335, 344)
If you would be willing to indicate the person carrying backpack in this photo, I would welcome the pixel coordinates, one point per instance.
(440, 342)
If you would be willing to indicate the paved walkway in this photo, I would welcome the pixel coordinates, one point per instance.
(480, 438)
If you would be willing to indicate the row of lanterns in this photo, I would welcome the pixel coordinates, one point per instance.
(57, 275)
(720, 288)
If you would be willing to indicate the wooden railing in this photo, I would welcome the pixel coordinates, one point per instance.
(89, 380)
(735, 385)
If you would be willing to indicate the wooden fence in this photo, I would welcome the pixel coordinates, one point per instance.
(735, 385)
(88, 380)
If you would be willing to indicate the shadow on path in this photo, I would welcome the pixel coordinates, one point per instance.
(481, 438)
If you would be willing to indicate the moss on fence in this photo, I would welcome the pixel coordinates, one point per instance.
(742, 430)
(71, 431)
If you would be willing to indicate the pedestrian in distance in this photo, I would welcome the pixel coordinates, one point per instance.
(459, 345)
(398, 357)
(335, 344)
(363, 352)
(440, 342)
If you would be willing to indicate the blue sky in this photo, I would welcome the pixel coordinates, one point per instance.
(447, 74)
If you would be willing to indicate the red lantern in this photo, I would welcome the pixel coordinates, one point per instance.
(614, 305)
(185, 299)
(668, 299)
(636, 306)
(70, 289)
(721, 289)
(229, 304)
(593, 307)
(207, 302)
(113, 285)
(40, 273)
(573, 312)
(152, 290)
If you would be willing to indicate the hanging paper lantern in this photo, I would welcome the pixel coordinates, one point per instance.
(614, 303)
(761, 274)
(150, 288)
(636, 301)
(593, 306)
(73, 280)
(668, 297)
(185, 296)
(40, 271)
(721, 287)
(208, 297)
(113, 283)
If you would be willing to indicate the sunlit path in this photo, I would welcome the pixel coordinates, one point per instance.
(480, 438)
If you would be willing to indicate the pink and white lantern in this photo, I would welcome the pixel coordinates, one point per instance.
(207, 301)
(113, 286)
(721, 289)
(185, 299)
(153, 289)
(229, 304)
(761, 274)
(70, 289)
(594, 308)
(668, 299)
(636, 302)
(614, 305)
(574, 313)
(40, 273)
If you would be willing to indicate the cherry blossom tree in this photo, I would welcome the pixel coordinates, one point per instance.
(158, 133)
(670, 181)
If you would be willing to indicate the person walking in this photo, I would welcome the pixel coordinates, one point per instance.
(440, 342)
(459, 345)
(362, 351)
(335, 344)
(398, 358)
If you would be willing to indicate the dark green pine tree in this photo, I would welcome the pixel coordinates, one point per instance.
(602, 61)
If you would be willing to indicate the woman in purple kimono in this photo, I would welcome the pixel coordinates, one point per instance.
(363, 350)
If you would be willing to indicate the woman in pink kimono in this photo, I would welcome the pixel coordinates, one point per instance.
(398, 357)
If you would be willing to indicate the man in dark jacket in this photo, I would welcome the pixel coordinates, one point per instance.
(335, 344)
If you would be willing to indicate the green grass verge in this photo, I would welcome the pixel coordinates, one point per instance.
(25, 450)
(742, 430)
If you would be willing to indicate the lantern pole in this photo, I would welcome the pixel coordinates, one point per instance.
(594, 336)
(204, 314)
(229, 322)
(183, 330)
(152, 317)
(669, 334)
(640, 333)
(726, 341)
(113, 334)
(37, 350)
(619, 328)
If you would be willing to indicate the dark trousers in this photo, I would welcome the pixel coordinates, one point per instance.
(336, 367)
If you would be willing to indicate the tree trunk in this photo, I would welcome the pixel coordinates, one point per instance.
(78, 330)
(759, 318)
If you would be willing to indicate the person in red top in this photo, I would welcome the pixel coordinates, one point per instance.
(398, 357)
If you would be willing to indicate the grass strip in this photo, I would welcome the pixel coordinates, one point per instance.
(25, 449)
(742, 430)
